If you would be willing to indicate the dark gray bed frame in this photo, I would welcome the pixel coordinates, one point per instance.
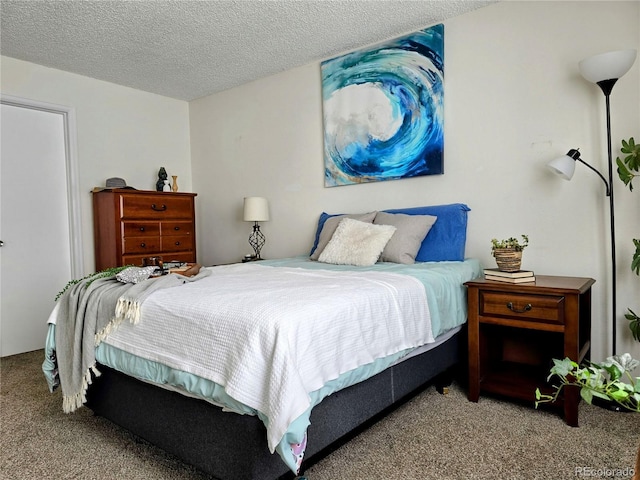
(233, 447)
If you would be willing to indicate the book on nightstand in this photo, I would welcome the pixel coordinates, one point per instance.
(499, 273)
(496, 278)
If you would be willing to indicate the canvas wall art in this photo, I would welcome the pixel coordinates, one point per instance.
(383, 110)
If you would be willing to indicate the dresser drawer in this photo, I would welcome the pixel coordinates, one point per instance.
(545, 308)
(156, 206)
(177, 228)
(177, 243)
(140, 229)
(141, 245)
(187, 257)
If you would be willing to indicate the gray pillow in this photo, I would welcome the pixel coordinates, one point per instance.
(330, 226)
(411, 230)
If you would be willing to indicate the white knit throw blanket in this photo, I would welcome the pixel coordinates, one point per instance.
(89, 311)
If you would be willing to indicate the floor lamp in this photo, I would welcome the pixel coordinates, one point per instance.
(604, 70)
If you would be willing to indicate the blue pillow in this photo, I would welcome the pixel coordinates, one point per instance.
(445, 241)
(447, 238)
(323, 218)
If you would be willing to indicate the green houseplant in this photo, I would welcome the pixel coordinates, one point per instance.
(508, 252)
(610, 380)
(628, 169)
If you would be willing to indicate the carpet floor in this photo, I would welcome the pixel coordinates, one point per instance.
(432, 436)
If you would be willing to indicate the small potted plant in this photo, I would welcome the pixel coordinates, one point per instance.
(508, 252)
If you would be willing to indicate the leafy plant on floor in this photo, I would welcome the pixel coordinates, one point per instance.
(610, 380)
(628, 169)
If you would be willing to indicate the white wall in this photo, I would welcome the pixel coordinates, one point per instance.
(514, 99)
(122, 132)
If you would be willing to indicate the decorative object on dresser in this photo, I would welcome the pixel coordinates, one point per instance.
(515, 330)
(174, 185)
(116, 182)
(162, 180)
(130, 225)
(256, 209)
(508, 252)
(604, 70)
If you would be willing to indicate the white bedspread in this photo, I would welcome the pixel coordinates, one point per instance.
(271, 335)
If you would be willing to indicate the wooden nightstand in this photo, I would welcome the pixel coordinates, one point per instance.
(516, 329)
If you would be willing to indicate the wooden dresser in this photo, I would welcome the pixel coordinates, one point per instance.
(130, 225)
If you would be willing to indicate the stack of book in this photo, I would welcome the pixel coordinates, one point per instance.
(521, 276)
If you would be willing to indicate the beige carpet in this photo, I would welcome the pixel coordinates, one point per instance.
(431, 437)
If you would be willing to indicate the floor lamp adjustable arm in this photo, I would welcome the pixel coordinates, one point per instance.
(599, 174)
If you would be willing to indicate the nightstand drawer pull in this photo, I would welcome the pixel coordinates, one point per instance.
(162, 208)
(526, 308)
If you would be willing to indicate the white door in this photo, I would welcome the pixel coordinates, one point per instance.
(35, 257)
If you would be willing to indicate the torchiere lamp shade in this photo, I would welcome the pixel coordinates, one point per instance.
(607, 66)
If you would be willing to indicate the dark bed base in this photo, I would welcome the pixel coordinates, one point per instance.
(231, 446)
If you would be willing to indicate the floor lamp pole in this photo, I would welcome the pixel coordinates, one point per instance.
(613, 229)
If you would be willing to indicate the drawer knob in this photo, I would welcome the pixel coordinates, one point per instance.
(177, 243)
(176, 228)
(142, 229)
(526, 308)
(143, 245)
(161, 208)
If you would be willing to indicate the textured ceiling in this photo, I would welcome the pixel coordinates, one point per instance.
(187, 49)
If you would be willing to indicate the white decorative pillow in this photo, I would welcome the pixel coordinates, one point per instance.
(405, 243)
(356, 243)
(135, 274)
(330, 226)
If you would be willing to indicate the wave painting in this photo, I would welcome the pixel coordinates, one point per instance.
(383, 110)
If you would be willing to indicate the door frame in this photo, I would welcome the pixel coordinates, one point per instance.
(71, 162)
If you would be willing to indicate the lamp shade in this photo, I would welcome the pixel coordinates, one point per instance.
(607, 66)
(256, 209)
(565, 165)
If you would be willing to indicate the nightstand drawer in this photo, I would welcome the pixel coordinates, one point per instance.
(545, 308)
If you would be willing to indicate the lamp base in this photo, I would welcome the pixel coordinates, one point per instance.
(256, 240)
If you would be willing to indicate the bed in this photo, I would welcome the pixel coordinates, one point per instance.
(325, 343)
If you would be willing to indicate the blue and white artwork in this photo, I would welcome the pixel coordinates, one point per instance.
(383, 110)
